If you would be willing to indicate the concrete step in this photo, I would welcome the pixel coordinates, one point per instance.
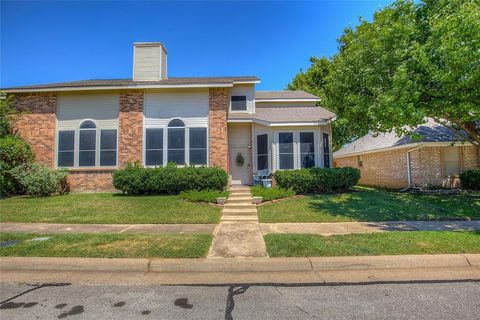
(239, 206)
(239, 189)
(250, 214)
(240, 195)
(239, 218)
(240, 211)
(239, 200)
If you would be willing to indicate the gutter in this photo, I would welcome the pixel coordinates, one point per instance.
(409, 169)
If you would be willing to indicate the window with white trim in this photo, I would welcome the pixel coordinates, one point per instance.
(307, 150)
(286, 152)
(87, 146)
(262, 151)
(176, 142)
(238, 103)
(198, 146)
(154, 147)
(326, 150)
(296, 150)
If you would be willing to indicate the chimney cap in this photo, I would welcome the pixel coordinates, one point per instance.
(150, 44)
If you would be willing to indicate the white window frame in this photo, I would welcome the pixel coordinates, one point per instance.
(98, 128)
(268, 150)
(246, 103)
(318, 153)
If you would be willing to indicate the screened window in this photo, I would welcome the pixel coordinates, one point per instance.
(307, 150)
(176, 142)
(326, 150)
(239, 103)
(198, 145)
(108, 147)
(154, 147)
(286, 150)
(262, 151)
(66, 148)
(87, 144)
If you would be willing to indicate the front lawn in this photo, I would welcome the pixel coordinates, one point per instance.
(368, 204)
(386, 243)
(108, 245)
(106, 208)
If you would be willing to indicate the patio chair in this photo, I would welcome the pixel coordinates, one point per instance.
(261, 178)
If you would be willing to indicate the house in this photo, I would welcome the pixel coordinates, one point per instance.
(434, 157)
(93, 127)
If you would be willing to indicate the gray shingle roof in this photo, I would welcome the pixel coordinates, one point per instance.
(283, 95)
(430, 132)
(285, 114)
(130, 82)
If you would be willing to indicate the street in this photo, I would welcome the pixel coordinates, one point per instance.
(427, 300)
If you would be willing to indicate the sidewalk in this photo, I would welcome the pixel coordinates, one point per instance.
(319, 270)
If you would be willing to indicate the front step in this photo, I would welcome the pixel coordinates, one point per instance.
(244, 205)
(240, 212)
(239, 200)
(239, 218)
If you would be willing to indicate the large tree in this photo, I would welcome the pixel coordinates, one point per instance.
(413, 61)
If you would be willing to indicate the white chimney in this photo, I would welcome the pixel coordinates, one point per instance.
(149, 61)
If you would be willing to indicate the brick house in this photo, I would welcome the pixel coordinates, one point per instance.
(93, 127)
(386, 160)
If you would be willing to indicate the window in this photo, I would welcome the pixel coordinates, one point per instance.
(198, 145)
(452, 159)
(326, 151)
(154, 147)
(307, 150)
(108, 148)
(176, 142)
(286, 150)
(262, 151)
(66, 148)
(87, 144)
(239, 103)
(90, 149)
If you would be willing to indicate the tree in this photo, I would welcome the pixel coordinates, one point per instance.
(7, 112)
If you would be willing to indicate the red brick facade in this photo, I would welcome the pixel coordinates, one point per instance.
(130, 135)
(37, 124)
(427, 166)
(217, 126)
(90, 180)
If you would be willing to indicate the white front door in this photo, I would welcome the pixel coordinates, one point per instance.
(240, 172)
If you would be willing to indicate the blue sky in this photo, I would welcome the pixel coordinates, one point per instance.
(45, 42)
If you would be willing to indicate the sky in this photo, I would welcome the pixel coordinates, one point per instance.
(43, 42)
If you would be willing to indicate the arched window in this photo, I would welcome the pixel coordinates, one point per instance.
(87, 144)
(176, 142)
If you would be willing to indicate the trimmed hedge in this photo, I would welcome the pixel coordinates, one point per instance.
(38, 180)
(135, 179)
(470, 179)
(316, 180)
(14, 151)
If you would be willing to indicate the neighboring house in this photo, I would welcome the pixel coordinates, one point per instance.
(386, 160)
(92, 127)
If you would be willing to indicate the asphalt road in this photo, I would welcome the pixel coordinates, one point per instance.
(443, 300)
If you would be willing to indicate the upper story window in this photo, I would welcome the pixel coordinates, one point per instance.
(239, 103)
(88, 146)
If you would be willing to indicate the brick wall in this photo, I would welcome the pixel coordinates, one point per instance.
(470, 158)
(217, 123)
(130, 121)
(90, 180)
(427, 166)
(37, 124)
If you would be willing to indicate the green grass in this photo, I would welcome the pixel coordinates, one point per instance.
(269, 194)
(106, 208)
(388, 243)
(209, 196)
(368, 204)
(108, 245)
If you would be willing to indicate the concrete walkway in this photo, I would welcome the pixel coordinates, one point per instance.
(106, 228)
(239, 233)
(327, 229)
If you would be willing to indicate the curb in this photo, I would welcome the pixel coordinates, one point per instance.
(214, 271)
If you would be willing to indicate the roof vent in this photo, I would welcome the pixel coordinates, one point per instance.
(149, 61)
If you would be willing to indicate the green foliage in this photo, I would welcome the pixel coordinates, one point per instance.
(135, 179)
(7, 111)
(269, 194)
(39, 180)
(470, 179)
(413, 61)
(209, 196)
(315, 180)
(14, 151)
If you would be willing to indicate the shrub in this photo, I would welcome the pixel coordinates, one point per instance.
(269, 194)
(38, 180)
(470, 179)
(14, 151)
(203, 195)
(317, 179)
(135, 179)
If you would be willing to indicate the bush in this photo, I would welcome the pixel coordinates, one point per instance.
(470, 179)
(316, 180)
(203, 195)
(269, 194)
(39, 180)
(14, 151)
(135, 179)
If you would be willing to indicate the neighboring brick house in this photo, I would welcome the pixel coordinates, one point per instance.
(93, 127)
(386, 160)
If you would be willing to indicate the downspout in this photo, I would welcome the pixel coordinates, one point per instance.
(409, 169)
